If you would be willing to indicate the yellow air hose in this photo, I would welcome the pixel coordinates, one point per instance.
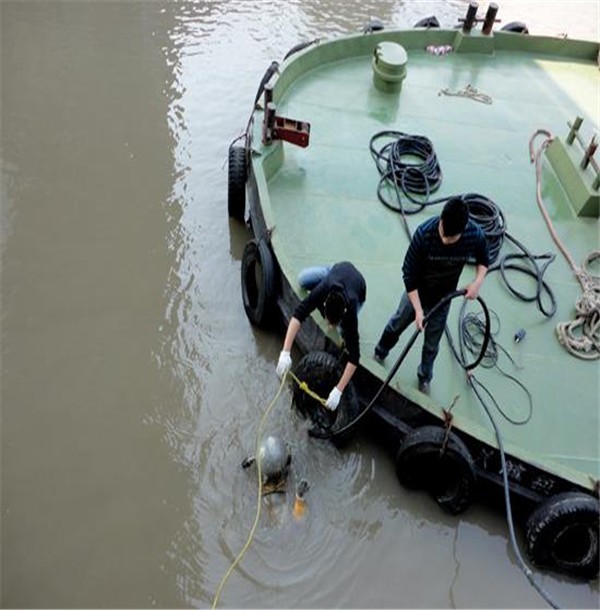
(304, 387)
(258, 500)
(299, 506)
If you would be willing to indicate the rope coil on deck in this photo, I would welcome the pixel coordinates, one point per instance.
(580, 336)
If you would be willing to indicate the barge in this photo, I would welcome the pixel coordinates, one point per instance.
(350, 145)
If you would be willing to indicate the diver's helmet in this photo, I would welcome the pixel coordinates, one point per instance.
(274, 457)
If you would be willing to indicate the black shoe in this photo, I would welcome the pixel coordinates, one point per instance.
(378, 355)
(424, 386)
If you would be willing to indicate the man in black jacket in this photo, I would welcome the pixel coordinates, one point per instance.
(339, 291)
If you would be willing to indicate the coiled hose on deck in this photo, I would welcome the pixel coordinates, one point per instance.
(408, 165)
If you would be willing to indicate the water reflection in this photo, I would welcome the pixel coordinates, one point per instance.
(84, 131)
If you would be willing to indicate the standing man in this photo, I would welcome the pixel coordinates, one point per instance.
(432, 266)
(339, 292)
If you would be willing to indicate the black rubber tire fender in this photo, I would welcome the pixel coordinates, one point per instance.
(321, 371)
(237, 173)
(427, 22)
(449, 476)
(518, 27)
(562, 533)
(259, 283)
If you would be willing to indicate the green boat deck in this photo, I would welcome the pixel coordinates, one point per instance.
(322, 205)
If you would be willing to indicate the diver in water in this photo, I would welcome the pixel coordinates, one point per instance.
(275, 458)
(338, 291)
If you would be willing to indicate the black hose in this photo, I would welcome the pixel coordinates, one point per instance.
(423, 179)
(472, 382)
(488, 215)
(274, 67)
(395, 163)
(511, 527)
(534, 270)
(407, 348)
(471, 329)
(300, 47)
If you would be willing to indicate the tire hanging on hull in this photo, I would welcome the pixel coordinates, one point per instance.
(427, 22)
(259, 283)
(518, 27)
(321, 371)
(237, 175)
(562, 533)
(426, 459)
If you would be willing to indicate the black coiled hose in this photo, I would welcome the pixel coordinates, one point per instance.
(490, 218)
(472, 332)
(397, 168)
(409, 163)
(409, 178)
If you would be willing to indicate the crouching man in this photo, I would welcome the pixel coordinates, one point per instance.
(338, 291)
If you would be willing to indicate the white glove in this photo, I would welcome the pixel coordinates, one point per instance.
(284, 364)
(334, 399)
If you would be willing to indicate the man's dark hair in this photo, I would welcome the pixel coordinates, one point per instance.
(455, 216)
(335, 307)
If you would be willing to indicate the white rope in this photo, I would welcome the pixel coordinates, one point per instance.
(469, 92)
(581, 336)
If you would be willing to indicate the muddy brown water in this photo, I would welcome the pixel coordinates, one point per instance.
(132, 383)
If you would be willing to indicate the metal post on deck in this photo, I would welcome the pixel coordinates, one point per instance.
(589, 152)
(268, 94)
(574, 129)
(470, 18)
(269, 122)
(490, 18)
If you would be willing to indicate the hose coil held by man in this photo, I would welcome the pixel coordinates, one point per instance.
(434, 261)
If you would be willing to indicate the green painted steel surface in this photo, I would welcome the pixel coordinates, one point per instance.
(323, 205)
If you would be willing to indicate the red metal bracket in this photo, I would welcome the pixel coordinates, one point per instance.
(290, 130)
(281, 128)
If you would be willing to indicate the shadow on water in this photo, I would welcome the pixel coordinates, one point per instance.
(239, 234)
